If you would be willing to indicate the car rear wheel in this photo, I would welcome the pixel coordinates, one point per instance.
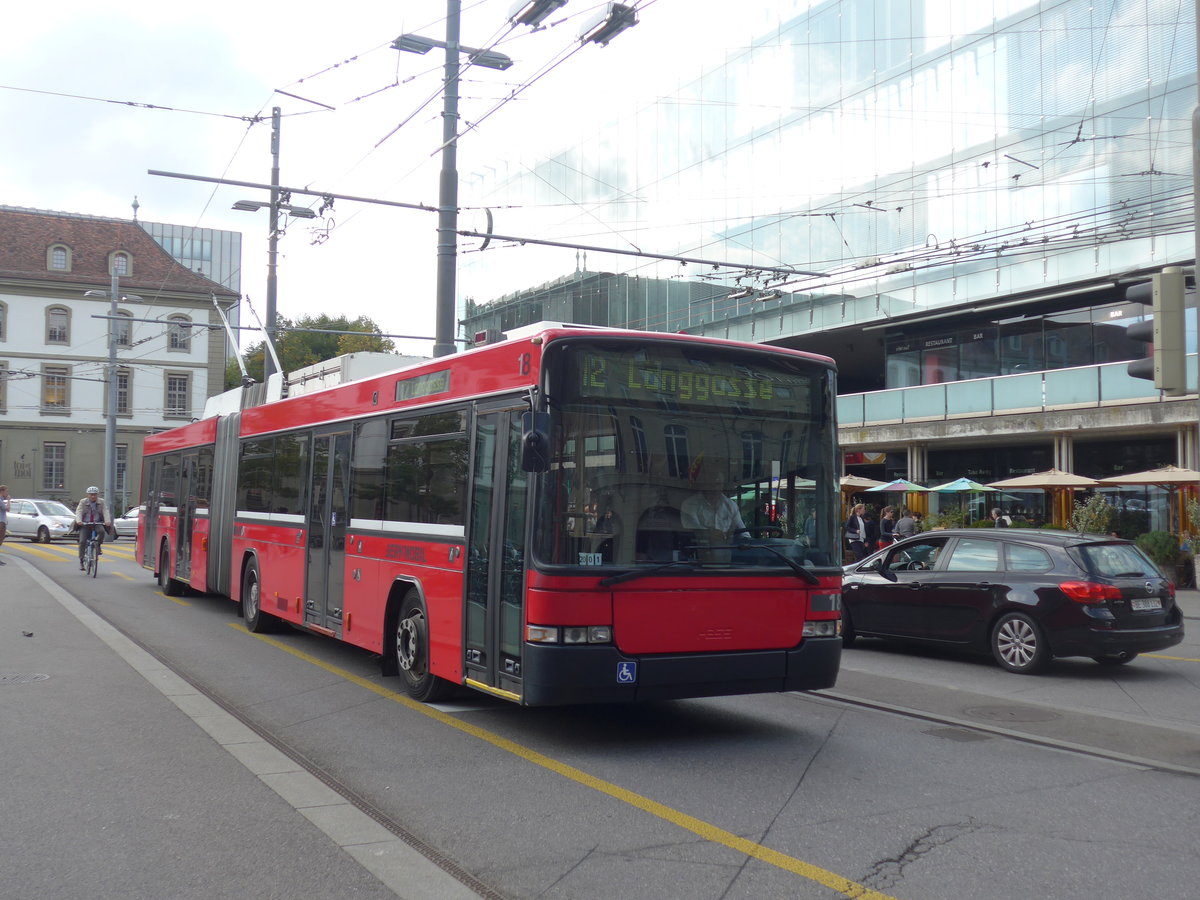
(1019, 645)
(1116, 659)
(43, 535)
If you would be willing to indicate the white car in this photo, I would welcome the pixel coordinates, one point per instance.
(127, 524)
(40, 520)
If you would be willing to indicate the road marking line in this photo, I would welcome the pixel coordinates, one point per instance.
(706, 830)
(1176, 658)
(32, 550)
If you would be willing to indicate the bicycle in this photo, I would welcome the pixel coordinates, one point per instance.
(91, 554)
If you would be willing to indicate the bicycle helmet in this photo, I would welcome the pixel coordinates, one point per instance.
(93, 490)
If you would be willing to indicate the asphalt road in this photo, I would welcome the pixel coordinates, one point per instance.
(921, 775)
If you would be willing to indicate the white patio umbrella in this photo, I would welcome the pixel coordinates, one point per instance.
(1169, 478)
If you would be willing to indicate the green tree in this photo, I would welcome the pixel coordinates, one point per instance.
(1094, 516)
(303, 343)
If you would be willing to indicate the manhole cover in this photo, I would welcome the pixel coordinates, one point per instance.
(23, 678)
(1012, 714)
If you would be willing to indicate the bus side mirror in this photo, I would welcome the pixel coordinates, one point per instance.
(535, 442)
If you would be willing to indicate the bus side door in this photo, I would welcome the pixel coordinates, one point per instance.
(329, 511)
(186, 516)
(495, 581)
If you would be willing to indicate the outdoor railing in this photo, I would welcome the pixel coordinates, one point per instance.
(1058, 389)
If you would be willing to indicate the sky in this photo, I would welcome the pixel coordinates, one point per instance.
(75, 88)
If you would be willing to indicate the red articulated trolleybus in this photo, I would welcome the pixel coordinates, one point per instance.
(579, 515)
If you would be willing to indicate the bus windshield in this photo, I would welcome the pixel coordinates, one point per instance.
(663, 452)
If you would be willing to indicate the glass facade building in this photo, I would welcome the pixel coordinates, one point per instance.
(963, 190)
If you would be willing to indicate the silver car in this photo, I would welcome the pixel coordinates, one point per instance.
(40, 520)
(127, 524)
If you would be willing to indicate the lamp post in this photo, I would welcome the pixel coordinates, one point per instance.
(275, 204)
(110, 421)
(447, 244)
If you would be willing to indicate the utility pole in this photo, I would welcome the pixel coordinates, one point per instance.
(272, 246)
(447, 243)
(110, 421)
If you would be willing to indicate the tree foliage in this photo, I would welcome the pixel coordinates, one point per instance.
(302, 343)
(1094, 516)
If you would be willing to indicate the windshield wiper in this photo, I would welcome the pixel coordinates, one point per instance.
(795, 566)
(792, 564)
(631, 574)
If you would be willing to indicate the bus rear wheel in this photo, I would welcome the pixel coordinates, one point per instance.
(166, 583)
(411, 648)
(257, 621)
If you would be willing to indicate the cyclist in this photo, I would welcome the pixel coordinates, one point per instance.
(92, 515)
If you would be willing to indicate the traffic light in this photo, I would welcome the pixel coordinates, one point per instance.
(1166, 366)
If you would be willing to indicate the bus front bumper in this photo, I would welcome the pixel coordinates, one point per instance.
(557, 675)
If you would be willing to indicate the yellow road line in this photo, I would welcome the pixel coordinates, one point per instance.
(709, 832)
(1176, 658)
(123, 575)
(31, 550)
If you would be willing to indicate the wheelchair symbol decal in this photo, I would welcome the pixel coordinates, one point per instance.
(626, 673)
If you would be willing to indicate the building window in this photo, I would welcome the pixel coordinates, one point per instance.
(54, 466)
(179, 333)
(120, 264)
(122, 466)
(678, 458)
(124, 391)
(56, 389)
(58, 258)
(178, 398)
(123, 329)
(58, 325)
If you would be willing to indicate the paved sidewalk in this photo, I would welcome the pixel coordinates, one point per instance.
(121, 780)
(1189, 602)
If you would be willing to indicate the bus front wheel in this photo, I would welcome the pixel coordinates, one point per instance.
(411, 648)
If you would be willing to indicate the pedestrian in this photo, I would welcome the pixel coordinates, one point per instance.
(3, 513)
(92, 515)
(856, 531)
(905, 526)
(887, 526)
(999, 520)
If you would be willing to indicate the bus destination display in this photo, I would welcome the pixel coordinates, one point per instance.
(710, 382)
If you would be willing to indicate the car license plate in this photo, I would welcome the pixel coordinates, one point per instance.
(1146, 603)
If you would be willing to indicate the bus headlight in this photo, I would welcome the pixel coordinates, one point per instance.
(823, 628)
(568, 634)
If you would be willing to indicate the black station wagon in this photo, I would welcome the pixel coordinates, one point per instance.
(1023, 595)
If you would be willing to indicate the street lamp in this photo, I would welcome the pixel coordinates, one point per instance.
(110, 421)
(447, 245)
(534, 12)
(617, 17)
(276, 204)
